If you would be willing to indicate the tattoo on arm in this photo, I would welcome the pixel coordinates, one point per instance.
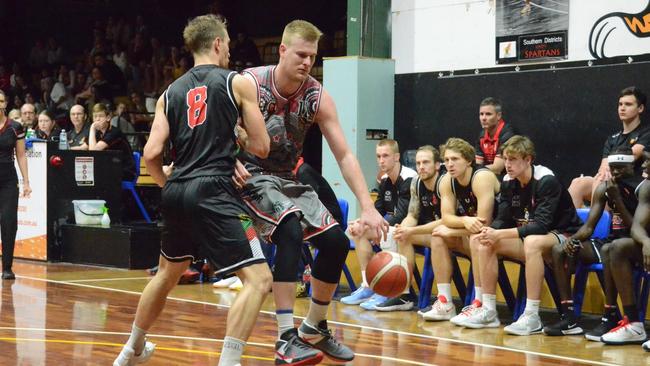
(414, 202)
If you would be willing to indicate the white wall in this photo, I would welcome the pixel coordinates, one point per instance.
(440, 35)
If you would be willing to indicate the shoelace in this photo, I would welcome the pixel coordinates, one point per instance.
(621, 325)
(295, 340)
(467, 310)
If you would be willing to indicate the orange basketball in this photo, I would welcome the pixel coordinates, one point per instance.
(388, 274)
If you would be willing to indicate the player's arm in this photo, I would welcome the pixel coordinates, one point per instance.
(598, 202)
(413, 212)
(258, 141)
(483, 187)
(641, 222)
(328, 122)
(153, 150)
(497, 165)
(448, 205)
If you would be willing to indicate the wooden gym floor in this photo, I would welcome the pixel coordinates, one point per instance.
(64, 314)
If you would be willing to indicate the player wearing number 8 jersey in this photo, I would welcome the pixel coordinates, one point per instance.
(202, 212)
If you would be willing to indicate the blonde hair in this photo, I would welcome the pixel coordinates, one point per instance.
(390, 143)
(200, 32)
(520, 146)
(302, 29)
(100, 108)
(458, 145)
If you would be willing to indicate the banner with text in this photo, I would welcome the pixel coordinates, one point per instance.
(531, 30)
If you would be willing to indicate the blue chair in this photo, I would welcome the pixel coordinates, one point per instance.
(343, 204)
(601, 231)
(129, 185)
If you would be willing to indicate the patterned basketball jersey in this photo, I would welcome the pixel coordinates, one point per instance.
(287, 121)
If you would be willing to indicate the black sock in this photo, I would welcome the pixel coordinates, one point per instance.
(567, 309)
(611, 312)
(631, 312)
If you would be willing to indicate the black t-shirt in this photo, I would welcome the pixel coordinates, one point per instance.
(541, 206)
(628, 188)
(640, 135)
(487, 148)
(116, 141)
(11, 132)
(466, 201)
(78, 139)
(53, 136)
(202, 114)
(393, 198)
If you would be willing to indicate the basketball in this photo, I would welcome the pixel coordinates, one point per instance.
(388, 274)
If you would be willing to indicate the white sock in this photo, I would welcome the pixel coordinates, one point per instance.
(231, 351)
(478, 293)
(364, 280)
(136, 340)
(490, 301)
(285, 321)
(316, 313)
(444, 289)
(532, 306)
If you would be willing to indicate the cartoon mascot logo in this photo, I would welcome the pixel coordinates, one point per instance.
(621, 34)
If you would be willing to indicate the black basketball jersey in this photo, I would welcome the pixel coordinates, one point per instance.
(429, 201)
(628, 188)
(467, 203)
(202, 114)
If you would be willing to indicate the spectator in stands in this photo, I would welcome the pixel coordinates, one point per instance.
(98, 91)
(5, 83)
(61, 97)
(119, 57)
(535, 214)
(29, 99)
(620, 194)
(423, 214)
(78, 135)
(467, 204)
(120, 121)
(14, 114)
(37, 55)
(28, 115)
(112, 74)
(181, 64)
(47, 128)
(634, 133)
(495, 133)
(104, 137)
(140, 117)
(21, 87)
(245, 51)
(392, 203)
(54, 52)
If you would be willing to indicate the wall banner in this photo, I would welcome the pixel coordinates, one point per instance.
(531, 30)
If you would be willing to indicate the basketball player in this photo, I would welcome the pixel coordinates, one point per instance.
(289, 212)
(201, 209)
(620, 194)
(634, 134)
(535, 213)
(392, 203)
(423, 214)
(467, 204)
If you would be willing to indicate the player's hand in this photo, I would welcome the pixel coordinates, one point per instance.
(376, 224)
(168, 169)
(241, 175)
(354, 228)
(27, 190)
(401, 233)
(612, 189)
(473, 224)
(488, 236)
(604, 174)
(441, 230)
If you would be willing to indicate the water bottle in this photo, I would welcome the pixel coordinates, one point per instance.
(30, 133)
(63, 141)
(106, 220)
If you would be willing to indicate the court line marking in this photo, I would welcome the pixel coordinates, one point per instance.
(425, 336)
(153, 336)
(110, 279)
(186, 350)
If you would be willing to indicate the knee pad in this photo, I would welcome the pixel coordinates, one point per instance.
(287, 238)
(333, 246)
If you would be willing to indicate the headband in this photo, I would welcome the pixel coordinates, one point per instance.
(620, 158)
